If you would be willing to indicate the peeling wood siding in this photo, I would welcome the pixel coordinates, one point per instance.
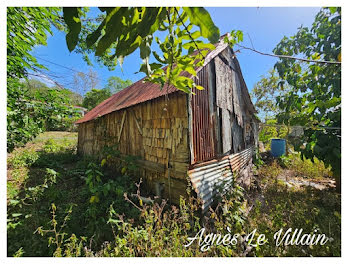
(226, 131)
(238, 104)
(231, 104)
(223, 85)
(255, 131)
(237, 136)
(155, 130)
(221, 106)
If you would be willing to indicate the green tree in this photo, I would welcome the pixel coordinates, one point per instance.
(35, 86)
(271, 130)
(27, 27)
(116, 84)
(316, 87)
(265, 93)
(29, 114)
(95, 97)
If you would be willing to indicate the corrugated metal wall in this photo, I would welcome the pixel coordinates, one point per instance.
(208, 179)
(202, 124)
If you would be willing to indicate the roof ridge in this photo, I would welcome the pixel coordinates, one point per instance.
(140, 91)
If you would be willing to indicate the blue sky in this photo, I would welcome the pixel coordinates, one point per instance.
(265, 26)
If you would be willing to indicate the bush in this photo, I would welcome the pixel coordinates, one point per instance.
(24, 115)
(99, 212)
(28, 115)
(307, 168)
(63, 124)
(22, 158)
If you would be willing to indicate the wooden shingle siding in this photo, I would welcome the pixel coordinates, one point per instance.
(156, 130)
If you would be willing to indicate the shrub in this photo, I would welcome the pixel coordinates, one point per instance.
(22, 158)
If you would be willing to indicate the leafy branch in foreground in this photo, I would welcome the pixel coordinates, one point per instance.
(26, 28)
(122, 31)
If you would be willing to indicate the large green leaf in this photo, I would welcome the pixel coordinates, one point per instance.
(72, 19)
(201, 18)
(113, 29)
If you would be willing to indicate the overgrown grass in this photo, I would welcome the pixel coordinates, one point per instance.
(49, 171)
(64, 205)
(280, 206)
(308, 169)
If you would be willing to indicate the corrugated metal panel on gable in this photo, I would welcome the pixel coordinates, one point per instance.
(202, 124)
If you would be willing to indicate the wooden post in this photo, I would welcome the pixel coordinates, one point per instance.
(121, 128)
(137, 123)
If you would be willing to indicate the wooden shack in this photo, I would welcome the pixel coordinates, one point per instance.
(204, 138)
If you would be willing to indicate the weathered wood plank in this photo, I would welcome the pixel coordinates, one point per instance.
(121, 128)
(223, 85)
(226, 131)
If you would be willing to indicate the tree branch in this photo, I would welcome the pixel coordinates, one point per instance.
(189, 33)
(289, 57)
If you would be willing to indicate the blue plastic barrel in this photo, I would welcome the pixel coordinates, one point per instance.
(277, 147)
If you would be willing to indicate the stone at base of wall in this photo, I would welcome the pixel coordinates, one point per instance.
(245, 175)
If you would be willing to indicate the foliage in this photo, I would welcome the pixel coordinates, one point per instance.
(119, 225)
(35, 86)
(27, 27)
(57, 107)
(316, 88)
(95, 97)
(282, 207)
(66, 123)
(116, 84)
(30, 111)
(54, 174)
(72, 248)
(121, 31)
(24, 116)
(28, 114)
(265, 93)
(305, 168)
(269, 131)
(21, 158)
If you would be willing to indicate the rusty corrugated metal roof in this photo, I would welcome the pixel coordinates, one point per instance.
(141, 91)
(136, 93)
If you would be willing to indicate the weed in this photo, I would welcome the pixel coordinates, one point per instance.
(22, 158)
(116, 222)
(71, 247)
(308, 169)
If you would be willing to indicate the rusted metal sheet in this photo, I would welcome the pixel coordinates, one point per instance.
(202, 123)
(210, 178)
(141, 91)
(136, 93)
